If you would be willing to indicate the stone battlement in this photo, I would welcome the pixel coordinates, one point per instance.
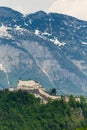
(30, 84)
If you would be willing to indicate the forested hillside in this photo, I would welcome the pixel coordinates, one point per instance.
(21, 111)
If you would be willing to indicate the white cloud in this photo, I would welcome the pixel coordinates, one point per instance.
(76, 8)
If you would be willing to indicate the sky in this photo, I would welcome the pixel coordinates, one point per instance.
(27, 6)
(76, 8)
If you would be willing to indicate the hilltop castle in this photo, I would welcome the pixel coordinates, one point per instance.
(35, 88)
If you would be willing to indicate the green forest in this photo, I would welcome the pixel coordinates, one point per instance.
(20, 110)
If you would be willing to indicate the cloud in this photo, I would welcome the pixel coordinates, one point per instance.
(76, 8)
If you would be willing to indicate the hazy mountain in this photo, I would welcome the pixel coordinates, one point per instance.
(50, 48)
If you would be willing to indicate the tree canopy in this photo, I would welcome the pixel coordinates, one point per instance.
(20, 110)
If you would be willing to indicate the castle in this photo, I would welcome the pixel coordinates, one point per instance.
(36, 89)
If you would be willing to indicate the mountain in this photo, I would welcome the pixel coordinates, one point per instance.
(49, 48)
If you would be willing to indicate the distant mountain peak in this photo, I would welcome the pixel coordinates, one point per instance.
(38, 14)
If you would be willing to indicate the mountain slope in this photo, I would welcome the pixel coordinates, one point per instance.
(50, 48)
